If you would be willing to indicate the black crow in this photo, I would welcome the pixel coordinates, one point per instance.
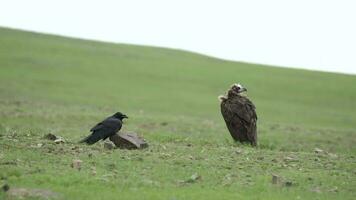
(239, 115)
(108, 127)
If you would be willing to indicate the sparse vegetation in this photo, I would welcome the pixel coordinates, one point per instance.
(50, 84)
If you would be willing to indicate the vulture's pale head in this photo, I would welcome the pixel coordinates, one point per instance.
(238, 88)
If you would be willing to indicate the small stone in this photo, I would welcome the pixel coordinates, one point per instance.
(108, 145)
(316, 190)
(194, 178)
(74, 147)
(317, 150)
(26, 193)
(238, 151)
(335, 189)
(288, 183)
(93, 171)
(39, 145)
(50, 136)
(275, 179)
(164, 123)
(290, 159)
(5, 187)
(76, 164)
(332, 155)
(59, 140)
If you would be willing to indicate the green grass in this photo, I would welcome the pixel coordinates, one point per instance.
(64, 86)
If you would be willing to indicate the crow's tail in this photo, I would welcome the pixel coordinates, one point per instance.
(91, 139)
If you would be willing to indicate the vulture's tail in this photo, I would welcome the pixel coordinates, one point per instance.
(91, 139)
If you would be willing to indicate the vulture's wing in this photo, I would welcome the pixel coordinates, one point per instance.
(243, 108)
(233, 122)
(240, 117)
(248, 113)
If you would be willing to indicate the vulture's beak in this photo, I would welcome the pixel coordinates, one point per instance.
(243, 90)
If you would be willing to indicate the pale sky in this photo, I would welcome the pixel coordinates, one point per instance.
(312, 34)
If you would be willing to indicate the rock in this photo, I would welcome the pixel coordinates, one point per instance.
(194, 178)
(332, 155)
(316, 190)
(164, 123)
(93, 171)
(128, 141)
(317, 150)
(39, 145)
(290, 159)
(56, 139)
(288, 183)
(12, 162)
(50, 136)
(276, 179)
(59, 140)
(76, 164)
(26, 193)
(335, 189)
(5, 187)
(238, 151)
(108, 145)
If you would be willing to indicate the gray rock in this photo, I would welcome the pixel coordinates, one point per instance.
(108, 145)
(128, 141)
(50, 136)
(59, 140)
(5, 187)
(76, 164)
(276, 179)
(317, 150)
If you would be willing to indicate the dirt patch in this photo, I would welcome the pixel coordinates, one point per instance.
(24, 193)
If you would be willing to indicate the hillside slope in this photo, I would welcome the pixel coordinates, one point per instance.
(63, 85)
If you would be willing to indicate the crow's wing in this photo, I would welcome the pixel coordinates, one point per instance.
(96, 127)
(103, 130)
(109, 122)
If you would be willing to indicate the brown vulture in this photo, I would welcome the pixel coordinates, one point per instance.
(239, 115)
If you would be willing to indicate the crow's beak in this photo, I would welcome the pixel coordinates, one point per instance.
(125, 117)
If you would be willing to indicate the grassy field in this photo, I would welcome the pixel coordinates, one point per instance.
(58, 85)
